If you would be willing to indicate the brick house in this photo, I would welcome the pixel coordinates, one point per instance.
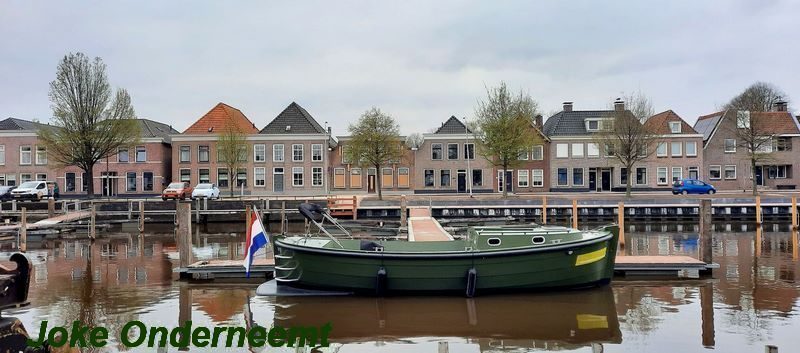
(678, 152)
(349, 177)
(532, 174)
(136, 170)
(446, 162)
(728, 162)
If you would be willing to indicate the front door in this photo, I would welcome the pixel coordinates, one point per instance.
(462, 181)
(371, 183)
(505, 182)
(109, 183)
(277, 180)
(592, 180)
(606, 179)
(509, 181)
(759, 175)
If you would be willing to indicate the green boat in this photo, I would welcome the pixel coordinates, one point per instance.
(487, 260)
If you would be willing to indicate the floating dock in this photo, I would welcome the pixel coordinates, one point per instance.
(261, 269)
(423, 227)
(661, 266)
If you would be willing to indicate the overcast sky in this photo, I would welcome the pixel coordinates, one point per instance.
(420, 61)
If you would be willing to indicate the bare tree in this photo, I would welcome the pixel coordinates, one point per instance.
(414, 140)
(232, 152)
(503, 127)
(626, 137)
(90, 121)
(375, 142)
(758, 97)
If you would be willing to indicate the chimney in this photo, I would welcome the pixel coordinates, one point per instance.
(537, 120)
(619, 105)
(567, 106)
(781, 106)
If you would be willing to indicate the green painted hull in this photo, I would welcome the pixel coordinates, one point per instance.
(515, 268)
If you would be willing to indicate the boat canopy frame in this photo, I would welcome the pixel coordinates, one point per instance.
(313, 212)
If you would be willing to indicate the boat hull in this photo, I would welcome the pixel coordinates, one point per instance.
(586, 264)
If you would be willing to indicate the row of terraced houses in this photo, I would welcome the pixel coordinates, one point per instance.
(294, 155)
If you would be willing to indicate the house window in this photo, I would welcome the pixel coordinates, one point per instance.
(222, 177)
(185, 154)
(436, 151)
(562, 150)
(780, 171)
(403, 177)
(562, 177)
(452, 151)
(41, 155)
(355, 178)
(641, 176)
(537, 178)
(676, 149)
(2, 154)
(675, 127)
(277, 153)
(694, 173)
(259, 152)
(677, 174)
(297, 176)
(730, 172)
(538, 153)
(186, 174)
(592, 149)
(444, 178)
(41, 177)
(661, 175)
(610, 151)
(297, 153)
(69, 182)
(577, 150)
(345, 150)
(522, 155)
(623, 176)
(204, 175)
(260, 176)
(691, 149)
(782, 144)
(84, 182)
(469, 151)
(11, 180)
(241, 177)
(592, 125)
(202, 153)
(429, 179)
(24, 156)
(477, 177)
(387, 178)
(122, 155)
(577, 176)
(316, 176)
(730, 145)
(714, 172)
(316, 153)
(522, 178)
(130, 182)
(743, 119)
(661, 150)
(147, 181)
(24, 177)
(339, 178)
(141, 154)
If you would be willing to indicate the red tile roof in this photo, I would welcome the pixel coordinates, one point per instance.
(218, 118)
(660, 123)
(775, 122)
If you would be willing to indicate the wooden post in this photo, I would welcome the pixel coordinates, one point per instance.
(795, 219)
(183, 216)
(705, 231)
(92, 230)
(403, 212)
(130, 210)
(575, 213)
(758, 211)
(283, 217)
(247, 219)
(544, 209)
(355, 207)
(64, 207)
(759, 240)
(184, 308)
(707, 315)
(795, 243)
(305, 222)
(51, 207)
(621, 223)
(141, 216)
(23, 231)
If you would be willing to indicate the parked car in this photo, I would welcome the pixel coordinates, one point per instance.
(692, 186)
(5, 192)
(31, 190)
(205, 190)
(177, 191)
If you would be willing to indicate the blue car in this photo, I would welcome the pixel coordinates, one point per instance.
(692, 186)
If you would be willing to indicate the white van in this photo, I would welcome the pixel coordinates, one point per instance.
(30, 190)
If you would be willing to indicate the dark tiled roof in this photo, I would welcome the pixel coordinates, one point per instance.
(293, 120)
(572, 123)
(19, 124)
(659, 123)
(152, 128)
(452, 126)
(218, 118)
(706, 124)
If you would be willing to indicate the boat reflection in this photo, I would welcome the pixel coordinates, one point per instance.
(562, 320)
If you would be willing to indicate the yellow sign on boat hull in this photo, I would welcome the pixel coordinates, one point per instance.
(591, 257)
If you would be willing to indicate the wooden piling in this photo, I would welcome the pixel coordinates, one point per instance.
(705, 231)
(403, 211)
(23, 231)
(575, 213)
(64, 207)
(355, 208)
(51, 207)
(305, 222)
(247, 219)
(183, 218)
(92, 229)
(795, 220)
(141, 216)
(758, 211)
(759, 240)
(283, 217)
(544, 209)
(184, 309)
(621, 223)
(707, 315)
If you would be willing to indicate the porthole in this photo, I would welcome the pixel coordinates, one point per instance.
(538, 239)
(493, 241)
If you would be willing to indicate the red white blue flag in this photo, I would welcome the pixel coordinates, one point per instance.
(256, 238)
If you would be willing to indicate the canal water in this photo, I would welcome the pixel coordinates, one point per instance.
(752, 301)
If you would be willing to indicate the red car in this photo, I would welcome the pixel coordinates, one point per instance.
(177, 191)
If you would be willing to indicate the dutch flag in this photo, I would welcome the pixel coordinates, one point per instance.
(256, 238)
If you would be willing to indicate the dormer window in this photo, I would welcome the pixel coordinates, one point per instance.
(675, 127)
(743, 119)
(288, 128)
(592, 125)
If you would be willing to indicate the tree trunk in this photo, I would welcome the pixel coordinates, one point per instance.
(628, 183)
(378, 182)
(753, 174)
(90, 184)
(504, 182)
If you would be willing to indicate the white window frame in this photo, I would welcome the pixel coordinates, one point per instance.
(522, 176)
(262, 154)
(466, 151)
(725, 146)
(743, 119)
(41, 160)
(278, 157)
(562, 150)
(672, 149)
(593, 150)
(128, 185)
(659, 152)
(636, 175)
(712, 168)
(448, 151)
(180, 154)
(180, 174)
(725, 172)
(540, 148)
(523, 155)
(302, 176)
(571, 176)
(29, 153)
(588, 124)
(694, 144)
(441, 151)
(665, 172)
(577, 150)
(200, 177)
(537, 178)
(144, 150)
(317, 171)
(689, 172)
(296, 149)
(672, 173)
(315, 156)
(675, 127)
(558, 182)
(2, 154)
(262, 180)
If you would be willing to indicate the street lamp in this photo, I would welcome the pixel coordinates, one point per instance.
(467, 156)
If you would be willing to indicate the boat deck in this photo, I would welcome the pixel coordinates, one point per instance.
(227, 269)
(423, 227)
